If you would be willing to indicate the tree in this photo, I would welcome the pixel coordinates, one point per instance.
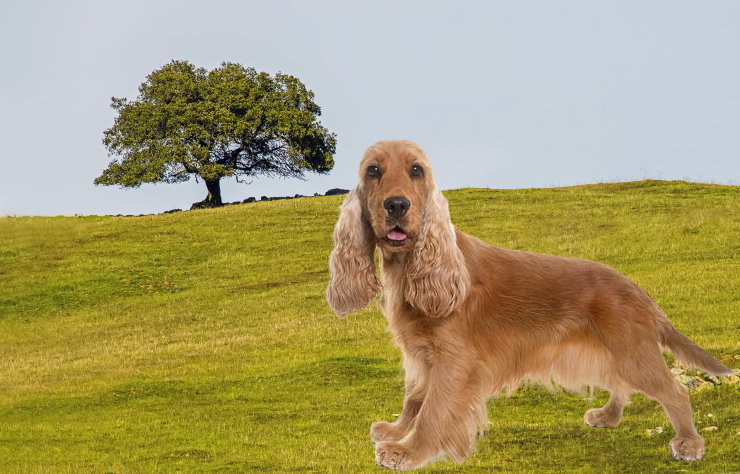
(231, 121)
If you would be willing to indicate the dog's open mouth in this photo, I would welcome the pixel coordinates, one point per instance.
(396, 236)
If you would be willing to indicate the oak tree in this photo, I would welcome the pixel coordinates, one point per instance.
(231, 121)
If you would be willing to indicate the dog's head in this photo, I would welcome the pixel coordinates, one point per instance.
(397, 208)
(395, 184)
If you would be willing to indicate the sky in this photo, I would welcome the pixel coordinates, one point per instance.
(500, 94)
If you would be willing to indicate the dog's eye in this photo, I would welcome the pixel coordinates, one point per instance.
(417, 171)
(372, 171)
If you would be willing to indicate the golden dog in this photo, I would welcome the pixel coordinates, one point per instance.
(472, 319)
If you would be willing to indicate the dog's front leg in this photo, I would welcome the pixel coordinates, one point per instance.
(416, 375)
(447, 420)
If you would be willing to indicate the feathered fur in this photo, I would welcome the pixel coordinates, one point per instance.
(472, 319)
(354, 282)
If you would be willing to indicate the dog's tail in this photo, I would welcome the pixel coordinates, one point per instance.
(686, 351)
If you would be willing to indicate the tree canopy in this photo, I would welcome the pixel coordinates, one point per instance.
(231, 121)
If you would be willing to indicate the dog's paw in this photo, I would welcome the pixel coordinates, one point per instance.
(687, 449)
(384, 431)
(396, 456)
(600, 418)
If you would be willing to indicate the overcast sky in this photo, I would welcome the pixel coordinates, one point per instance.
(501, 94)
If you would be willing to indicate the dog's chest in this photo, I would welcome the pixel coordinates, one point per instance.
(411, 329)
(393, 300)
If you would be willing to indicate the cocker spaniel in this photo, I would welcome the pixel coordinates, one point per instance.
(472, 319)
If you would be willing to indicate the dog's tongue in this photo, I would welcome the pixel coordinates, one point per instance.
(396, 235)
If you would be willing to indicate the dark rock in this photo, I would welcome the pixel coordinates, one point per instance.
(265, 198)
(205, 205)
(298, 196)
(336, 192)
(249, 199)
(171, 211)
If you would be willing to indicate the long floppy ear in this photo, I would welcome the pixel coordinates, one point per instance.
(353, 282)
(437, 279)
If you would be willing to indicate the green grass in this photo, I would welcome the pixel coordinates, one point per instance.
(201, 341)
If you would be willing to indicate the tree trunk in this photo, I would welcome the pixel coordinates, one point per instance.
(214, 192)
(213, 199)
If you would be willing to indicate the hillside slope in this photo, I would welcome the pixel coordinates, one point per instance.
(202, 341)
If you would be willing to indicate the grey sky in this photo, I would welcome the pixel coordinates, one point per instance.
(501, 94)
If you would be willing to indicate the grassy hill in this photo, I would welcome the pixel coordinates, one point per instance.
(202, 341)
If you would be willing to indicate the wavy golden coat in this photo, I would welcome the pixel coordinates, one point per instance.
(472, 319)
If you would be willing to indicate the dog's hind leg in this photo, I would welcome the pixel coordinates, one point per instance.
(646, 372)
(687, 445)
(610, 414)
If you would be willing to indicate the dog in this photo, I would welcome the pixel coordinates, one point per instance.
(472, 319)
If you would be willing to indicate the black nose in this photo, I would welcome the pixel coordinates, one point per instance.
(396, 206)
